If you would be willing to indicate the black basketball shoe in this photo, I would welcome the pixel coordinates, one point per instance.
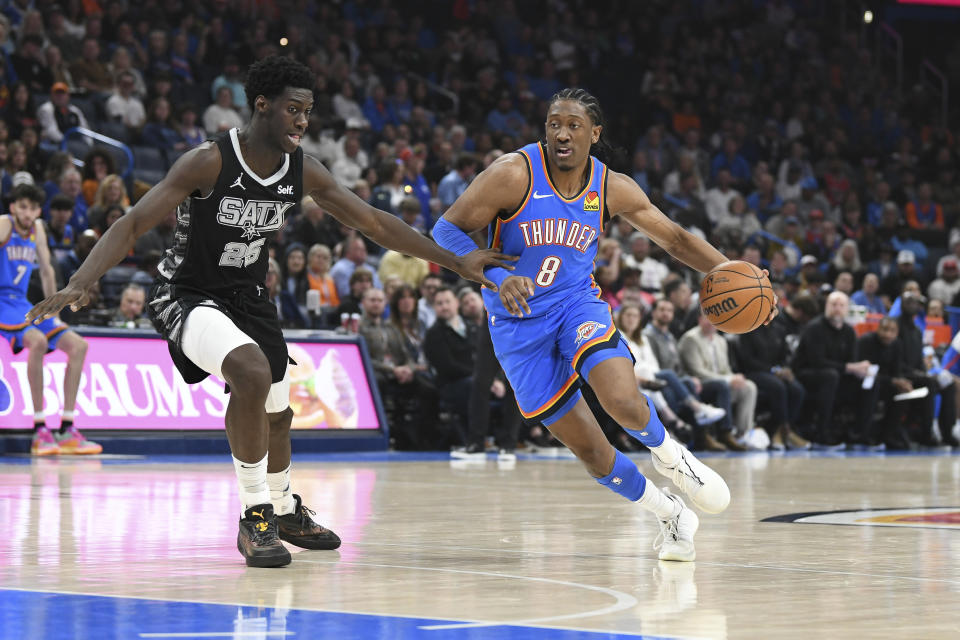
(258, 540)
(299, 528)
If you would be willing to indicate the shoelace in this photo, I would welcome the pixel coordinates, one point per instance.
(668, 528)
(267, 536)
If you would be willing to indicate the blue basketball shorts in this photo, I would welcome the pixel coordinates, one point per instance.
(545, 357)
(13, 325)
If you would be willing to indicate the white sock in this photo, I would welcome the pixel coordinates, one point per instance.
(668, 452)
(68, 415)
(280, 494)
(252, 478)
(658, 503)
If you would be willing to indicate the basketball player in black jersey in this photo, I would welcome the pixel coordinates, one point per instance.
(232, 194)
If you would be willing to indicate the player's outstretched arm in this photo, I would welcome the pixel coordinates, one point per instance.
(625, 198)
(389, 231)
(195, 170)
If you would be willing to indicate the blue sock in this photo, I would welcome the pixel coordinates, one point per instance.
(625, 479)
(653, 434)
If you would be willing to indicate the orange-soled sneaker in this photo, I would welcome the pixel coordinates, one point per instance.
(73, 443)
(44, 443)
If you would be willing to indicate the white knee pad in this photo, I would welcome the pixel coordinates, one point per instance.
(278, 399)
(208, 336)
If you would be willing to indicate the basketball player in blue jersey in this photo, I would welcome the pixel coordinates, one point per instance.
(549, 203)
(23, 247)
(210, 302)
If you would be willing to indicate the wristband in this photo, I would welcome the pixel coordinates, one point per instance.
(496, 275)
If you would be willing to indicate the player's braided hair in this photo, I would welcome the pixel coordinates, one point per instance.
(612, 156)
(270, 76)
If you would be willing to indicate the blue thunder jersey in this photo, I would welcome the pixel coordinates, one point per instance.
(18, 257)
(555, 237)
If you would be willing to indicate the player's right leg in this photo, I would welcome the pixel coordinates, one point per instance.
(33, 340)
(215, 344)
(578, 430)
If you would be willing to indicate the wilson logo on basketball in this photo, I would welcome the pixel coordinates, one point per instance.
(587, 330)
(591, 202)
(719, 308)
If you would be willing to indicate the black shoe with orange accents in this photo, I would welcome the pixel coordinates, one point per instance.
(300, 529)
(258, 540)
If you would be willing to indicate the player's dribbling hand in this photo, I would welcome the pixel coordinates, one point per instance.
(74, 297)
(472, 264)
(514, 293)
(776, 302)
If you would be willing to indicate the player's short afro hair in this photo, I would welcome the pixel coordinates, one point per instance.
(270, 76)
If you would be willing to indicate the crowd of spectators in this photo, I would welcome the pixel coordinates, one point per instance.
(761, 126)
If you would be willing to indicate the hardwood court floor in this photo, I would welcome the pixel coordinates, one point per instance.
(146, 548)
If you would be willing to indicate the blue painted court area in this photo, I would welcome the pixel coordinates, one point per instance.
(60, 616)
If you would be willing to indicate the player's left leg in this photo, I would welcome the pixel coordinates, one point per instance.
(33, 340)
(613, 381)
(294, 522)
(69, 438)
(578, 429)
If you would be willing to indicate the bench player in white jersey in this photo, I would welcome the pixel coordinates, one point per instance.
(548, 203)
(209, 301)
(23, 247)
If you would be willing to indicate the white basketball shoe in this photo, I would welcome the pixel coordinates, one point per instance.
(704, 486)
(675, 541)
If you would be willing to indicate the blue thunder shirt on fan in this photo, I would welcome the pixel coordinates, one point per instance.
(17, 261)
(555, 237)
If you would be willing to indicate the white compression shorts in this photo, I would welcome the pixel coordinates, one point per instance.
(209, 336)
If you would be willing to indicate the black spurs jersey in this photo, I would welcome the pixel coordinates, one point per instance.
(220, 240)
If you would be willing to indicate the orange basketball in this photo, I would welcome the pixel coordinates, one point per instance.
(736, 297)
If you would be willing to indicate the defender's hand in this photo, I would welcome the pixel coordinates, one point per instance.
(514, 293)
(471, 266)
(75, 297)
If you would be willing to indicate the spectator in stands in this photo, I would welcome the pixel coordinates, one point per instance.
(402, 388)
(378, 110)
(914, 369)
(827, 365)
(97, 165)
(230, 78)
(410, 269)
(121, 63)
(72, 261)
(471, 306)
(717, 200)
(455, 183)
(221, 116)
(714, 392)
(89, 72)
(685, 310)
(124, 105)
(902, 241)
(57, 115)
(60, 233)
(16, 162)
(186, 124)
(318, 277)
(731, 160)
(764, 202)
(287, 311)
(129, 313)
(652, 271)
(354, 256)
(30, 66)
(884, 349)
(740, 223)
(360, 281)
(922, 212)
(20, 113)
(347, 108)
(846, 259)
(947, 284)
(160, 238)
(868, 297)
(403, 315)
(294, 280)
(892, 285)
(160, 132)
(703, 353)
(428, 289)
(110, 191)
(110, 214)
(450, 348)
(390, 190)
(69, 185)
(350, 166)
